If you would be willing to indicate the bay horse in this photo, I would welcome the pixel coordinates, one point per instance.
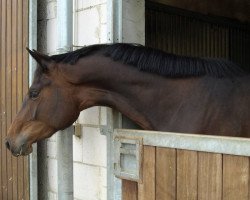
(156, 90)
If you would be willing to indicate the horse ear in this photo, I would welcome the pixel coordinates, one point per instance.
(42, 59)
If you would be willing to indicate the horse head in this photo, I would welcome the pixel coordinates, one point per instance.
(49, 106)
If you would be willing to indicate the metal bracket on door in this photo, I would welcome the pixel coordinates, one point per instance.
(128, 158)
(77, 129)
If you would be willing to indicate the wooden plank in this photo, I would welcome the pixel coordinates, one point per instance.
(25, 90)
(13, 172)
(20, 87)
(209, 176)
(25, 44)
(165, 174)
(8, 89)
(186, 175)
(235, 177)
(1, 146)
(19, 54)
(14, 89)
(146, 189)
(3, 99)
(1, 139)
(129, 190)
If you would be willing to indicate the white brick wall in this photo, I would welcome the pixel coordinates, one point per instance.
(86, 4)
(94, 148)
(90, 22)
(90, 116)
(133, 21)
(52, 196)
(86, 181)
(89, 151)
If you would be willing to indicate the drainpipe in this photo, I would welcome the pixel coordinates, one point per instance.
(64, 138)
(115, 34)
(32, 66)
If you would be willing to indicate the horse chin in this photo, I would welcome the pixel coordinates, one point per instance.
(27, 151)
(23, 151)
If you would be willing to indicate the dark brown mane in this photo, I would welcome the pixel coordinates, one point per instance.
(156, 61)
(73, 56)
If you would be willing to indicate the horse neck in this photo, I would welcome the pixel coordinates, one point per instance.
(104, 82)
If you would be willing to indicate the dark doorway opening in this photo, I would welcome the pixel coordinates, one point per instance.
(188, 33)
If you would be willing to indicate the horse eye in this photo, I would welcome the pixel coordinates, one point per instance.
(33, 94)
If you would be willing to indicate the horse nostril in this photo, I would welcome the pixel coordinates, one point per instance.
(7, 144)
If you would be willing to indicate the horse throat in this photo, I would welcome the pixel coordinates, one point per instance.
(100, 97)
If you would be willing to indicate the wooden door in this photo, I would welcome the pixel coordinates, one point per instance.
(14, 181)
(174, 174)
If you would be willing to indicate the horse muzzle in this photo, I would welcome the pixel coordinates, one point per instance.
(19, 149)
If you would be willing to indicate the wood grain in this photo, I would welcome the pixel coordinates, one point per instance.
(186, 175)
(3, 100)
(235, 177)
(129, 190)
(209, 176)
(0, 102)
(8, 89)
(14, 88)
(165, 174)
(14, 183)
(146, 190)
(20, 86)
(25, 12)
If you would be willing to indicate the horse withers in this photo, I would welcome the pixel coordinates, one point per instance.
(156, 90)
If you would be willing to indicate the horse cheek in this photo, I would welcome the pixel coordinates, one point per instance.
(65, 115)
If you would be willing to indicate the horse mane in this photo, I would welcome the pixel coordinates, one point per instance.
(73, 56)
(156, 61)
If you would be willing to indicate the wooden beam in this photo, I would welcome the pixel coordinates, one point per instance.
(146, 189)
